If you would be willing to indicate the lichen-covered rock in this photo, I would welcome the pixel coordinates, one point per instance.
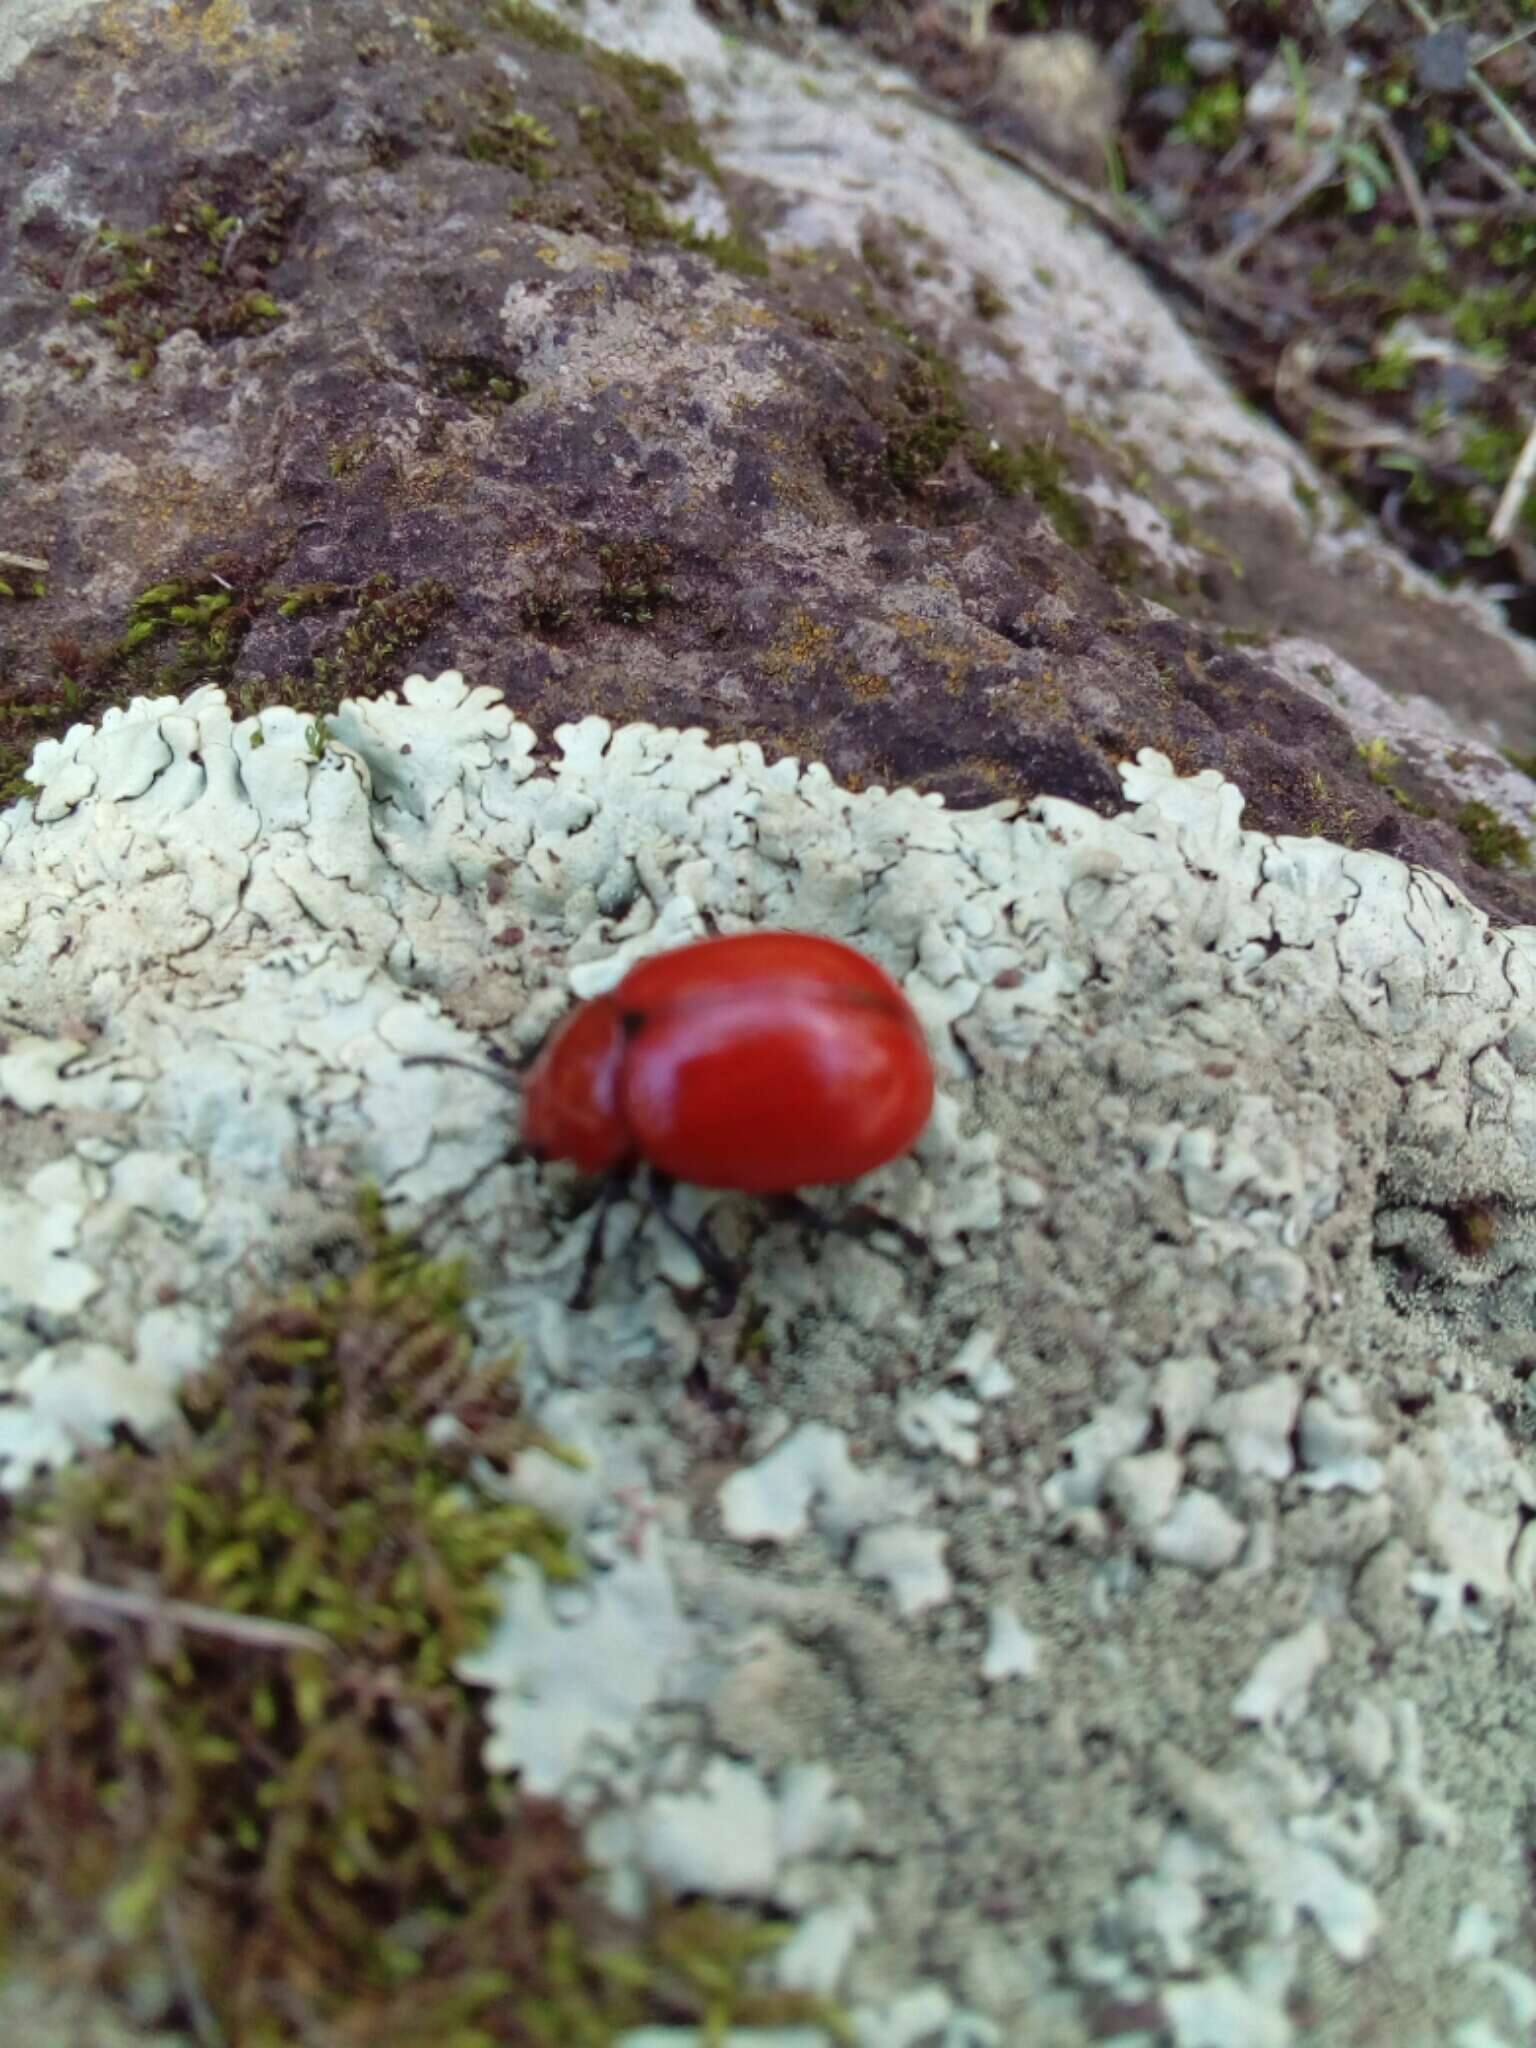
(1127, 1613)
(444, 335)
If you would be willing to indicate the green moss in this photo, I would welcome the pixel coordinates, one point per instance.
(634, 586)
(346, 458)
(1380, 763)
(265, 1803)
(1214, 118)
(387, 623)
(627, 149)
(442, 38)
(507, 134)
(644, 217)
(485, 382)
(1038, 470)
(736, 251)
(1491, 840)
(15, 784)
(929, 421)
(987, 302)
(640, 138)
(536, 25)
(177, 634)
(881, 261)
(189, 630)
(203, 268)
(309, 597)
(545, 609)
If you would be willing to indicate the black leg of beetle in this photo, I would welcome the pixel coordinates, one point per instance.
(592, 1257)
(863, 1223)
(723, 1276)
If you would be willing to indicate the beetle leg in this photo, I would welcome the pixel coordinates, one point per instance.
(592, 1257)
(863, 1222)
(725, 1277)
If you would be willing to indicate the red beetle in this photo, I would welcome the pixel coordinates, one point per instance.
(764, 1063)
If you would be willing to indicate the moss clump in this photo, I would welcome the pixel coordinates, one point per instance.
(484, 382)
(387, 622)
(545, 609)
(736, 251)
(310, 597)
(1491, 840)
(633, 125)
(634, 586)
(205, 267)
(1037, 470)
(177, 634)
(987, 302)
(189, 630)
(1380, 764)
(537, 26)
(509, 135)
(931, 420)
(442, 38)
(628, 148)
(288, 1836)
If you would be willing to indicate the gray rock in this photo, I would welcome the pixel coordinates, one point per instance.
(405, 379)
(1442, 60)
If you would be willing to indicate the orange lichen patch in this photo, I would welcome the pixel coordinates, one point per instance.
(867, 685)
(220, 30)
(580, 252)
(800, 643)
(957, 660)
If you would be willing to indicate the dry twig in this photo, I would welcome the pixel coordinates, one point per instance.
(1407, 176)
(1512, 498)
(1322, 172)
(1198, 280)
(1495, 103)
(1493, 170)
(99, 1605)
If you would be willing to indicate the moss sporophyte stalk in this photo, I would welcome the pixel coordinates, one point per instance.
(240, 1767)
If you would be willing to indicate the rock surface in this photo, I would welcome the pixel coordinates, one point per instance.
(439, 340)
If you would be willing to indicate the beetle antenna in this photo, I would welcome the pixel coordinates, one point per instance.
(864, 1222)
(445, 1059)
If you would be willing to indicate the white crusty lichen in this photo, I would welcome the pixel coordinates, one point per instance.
(1127, 1567)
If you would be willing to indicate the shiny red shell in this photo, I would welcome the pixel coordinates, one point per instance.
(765, 1062)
